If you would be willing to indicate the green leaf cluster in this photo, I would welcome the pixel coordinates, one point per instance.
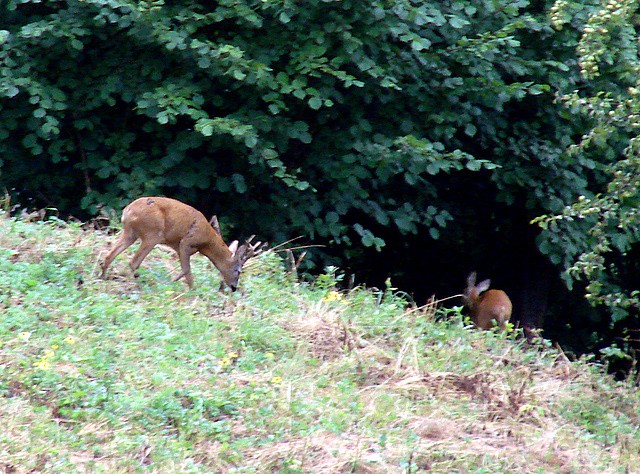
(596, 238)
(330, 119)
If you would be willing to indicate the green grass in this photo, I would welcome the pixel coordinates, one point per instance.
(143, 375)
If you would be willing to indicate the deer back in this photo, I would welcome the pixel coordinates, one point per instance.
(493, 305)
(486, 307)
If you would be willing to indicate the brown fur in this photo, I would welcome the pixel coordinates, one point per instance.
(161, 220)
(487, 308)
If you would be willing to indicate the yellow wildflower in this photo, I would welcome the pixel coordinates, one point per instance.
(44, 363)
(277, 380)
(333, 295)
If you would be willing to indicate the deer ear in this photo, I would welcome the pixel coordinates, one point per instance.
(483, 285)
(215, 224)
(233, 246)
(471, 280)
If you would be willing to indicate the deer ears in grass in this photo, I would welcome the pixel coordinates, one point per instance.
(480, 287)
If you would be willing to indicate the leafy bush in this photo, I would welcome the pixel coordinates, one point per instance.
(365, 115)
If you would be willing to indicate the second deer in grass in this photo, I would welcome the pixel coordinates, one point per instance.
(161, 220)
(488, 308)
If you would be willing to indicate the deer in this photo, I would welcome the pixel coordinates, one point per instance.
(161, 220)
(488, 308)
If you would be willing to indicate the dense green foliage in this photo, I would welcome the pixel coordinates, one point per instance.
(119, 375)
(352, 110)
(599, 234)
(359, 124)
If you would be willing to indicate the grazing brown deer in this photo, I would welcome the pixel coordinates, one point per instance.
(487, 307)
(161, 220)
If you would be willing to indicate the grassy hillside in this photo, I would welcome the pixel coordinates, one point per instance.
(124, 375)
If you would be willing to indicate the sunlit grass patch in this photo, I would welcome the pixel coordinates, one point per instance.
(126, 374)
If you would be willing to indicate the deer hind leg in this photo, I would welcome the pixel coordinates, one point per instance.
(145, 247)
(126, 240)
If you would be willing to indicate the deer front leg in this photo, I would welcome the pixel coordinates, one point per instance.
(185, 250)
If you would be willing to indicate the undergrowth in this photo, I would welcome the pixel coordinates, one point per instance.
(144, 375)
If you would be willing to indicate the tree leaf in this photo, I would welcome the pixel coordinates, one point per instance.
(315, 103)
